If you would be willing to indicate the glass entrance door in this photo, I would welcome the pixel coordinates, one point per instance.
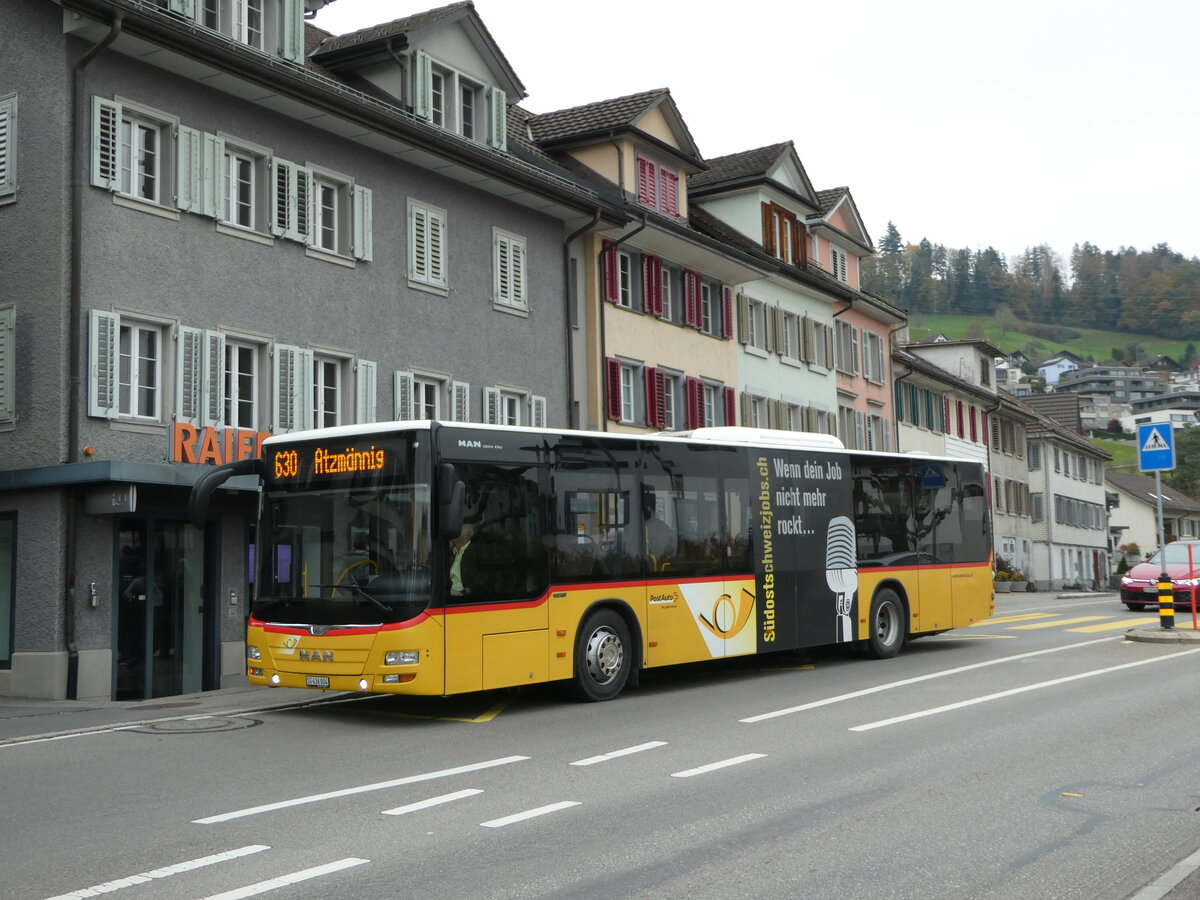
(160, 609)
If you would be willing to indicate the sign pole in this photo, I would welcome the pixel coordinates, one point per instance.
(1156, 453)
(1166, 590)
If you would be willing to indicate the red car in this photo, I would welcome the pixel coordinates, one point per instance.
(1139, 586)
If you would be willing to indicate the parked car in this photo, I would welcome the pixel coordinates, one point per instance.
(1139, 586)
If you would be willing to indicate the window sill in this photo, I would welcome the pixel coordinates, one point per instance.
(521, 312)
(756, 351)
(145, 206)
(245, 234)
(325, 256)
(428, 288)
(138, 426)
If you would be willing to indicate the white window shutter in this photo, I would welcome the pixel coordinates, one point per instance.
(292, 31)
(501, 268)
(365, 388)
(422, 87)
(8, 381)
(363, 247)
(437, 249)
(106, 144)
(418, 244)
(189, 375)
(517, 251)
(283, 198)
(829, 348)
(189, 170)
(887, 435)
(286, 387)
(498, 132)
(460, 393)
(212, 201)
(491, 405)
(214, 378)
(537, 411)
(743, 318)
(103, 339)
(402, 390)
(8, 147)
(305, 200)
(860, 430)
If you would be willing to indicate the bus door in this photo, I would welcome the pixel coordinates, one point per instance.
(700, 579)
(495, 608)
(933, 493)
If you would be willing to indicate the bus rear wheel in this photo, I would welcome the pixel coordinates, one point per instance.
(602, 656)
(886, 626)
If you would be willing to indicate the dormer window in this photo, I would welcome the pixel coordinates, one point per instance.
(837, 263)
(271, 26)
(451, 100)
(657, 187)
(782, 234)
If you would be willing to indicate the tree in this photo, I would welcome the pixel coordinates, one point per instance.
(1114, 425)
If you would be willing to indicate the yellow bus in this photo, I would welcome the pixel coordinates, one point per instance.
(440, 558)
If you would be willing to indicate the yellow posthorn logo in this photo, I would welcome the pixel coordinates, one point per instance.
(728, 618)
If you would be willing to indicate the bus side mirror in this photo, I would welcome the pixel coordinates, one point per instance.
(451, 492)
(208, 483)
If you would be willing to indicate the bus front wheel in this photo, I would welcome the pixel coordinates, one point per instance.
(886, 625)
(602, 656)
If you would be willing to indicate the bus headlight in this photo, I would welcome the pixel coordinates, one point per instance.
(402, 657)
(253, 653)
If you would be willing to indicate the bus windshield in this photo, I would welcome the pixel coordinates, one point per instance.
(353, 555)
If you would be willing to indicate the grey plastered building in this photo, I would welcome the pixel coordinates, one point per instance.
(217, 222)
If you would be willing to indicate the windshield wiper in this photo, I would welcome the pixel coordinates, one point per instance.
(374, 601)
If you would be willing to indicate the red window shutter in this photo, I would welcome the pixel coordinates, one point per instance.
(974, 427)
(668, 197)
(652, 290)
(801, 234)
(652, 397)
(660, 398)
(694, 390)
(727, 311)
(983, 426)
(946, 413)
(612, 370)
(610, 275)
(646, 183)
(691, 298)
(961, 429)
(730, 406)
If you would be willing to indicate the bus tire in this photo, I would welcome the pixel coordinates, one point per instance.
(886, 629)
(603, 656)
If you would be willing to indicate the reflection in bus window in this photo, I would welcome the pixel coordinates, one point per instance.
(505, 558)
(883, 513)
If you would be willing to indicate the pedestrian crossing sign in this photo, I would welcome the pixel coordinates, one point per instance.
(1156, 447)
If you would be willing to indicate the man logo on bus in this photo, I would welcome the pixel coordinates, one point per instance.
(728, 618)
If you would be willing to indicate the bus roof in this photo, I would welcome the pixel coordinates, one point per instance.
(731, 435)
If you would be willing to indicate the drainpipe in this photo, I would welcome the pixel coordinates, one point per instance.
(75, 347)
(569, 292)
(896, 422)
(611, 248)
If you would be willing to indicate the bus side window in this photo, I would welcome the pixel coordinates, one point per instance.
(506, 558)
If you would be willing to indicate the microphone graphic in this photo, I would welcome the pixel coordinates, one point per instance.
(841, 572)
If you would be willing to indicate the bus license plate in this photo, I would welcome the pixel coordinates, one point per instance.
(316, 681)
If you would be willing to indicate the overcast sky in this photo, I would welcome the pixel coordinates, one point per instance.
(969, 123)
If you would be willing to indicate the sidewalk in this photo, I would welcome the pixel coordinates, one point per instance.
(24, 719)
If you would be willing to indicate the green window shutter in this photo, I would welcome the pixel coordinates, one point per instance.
(103, 336)
(292, 31)
(363, 245)
(437, 249)
(498, 121)
(491, 405)
(8, 146)
(212, 201)
(106, 144)
(8, 383)
(537, 412)
(189, 375)
(189, 170)
(461, 395)
(292, 388)
(185, 8)
(283, 190)
(365, 391)
(422, 88)
(302, 206)
(402, 388)
(214, 378)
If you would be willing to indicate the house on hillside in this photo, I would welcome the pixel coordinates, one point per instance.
(1136, 511)
(1053, 366)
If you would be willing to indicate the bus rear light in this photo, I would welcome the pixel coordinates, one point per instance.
(402, 658)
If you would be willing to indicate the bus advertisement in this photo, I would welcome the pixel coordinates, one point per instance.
(441, 558)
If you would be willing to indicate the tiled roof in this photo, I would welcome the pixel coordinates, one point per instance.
(829, 198)
(746, 164)
(593, 117)
(1062, 407)
(1142, 487)
(394, 27)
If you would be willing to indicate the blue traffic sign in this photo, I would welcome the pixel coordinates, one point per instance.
(1156, 447)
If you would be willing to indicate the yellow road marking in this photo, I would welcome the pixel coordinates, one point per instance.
(1071, 794)
(1000, 620)
(1058, 622)
(483, 717)
(486, 717)
(1114, 626)
(977, 637)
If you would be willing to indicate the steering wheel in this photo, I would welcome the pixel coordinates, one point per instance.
(339, 584)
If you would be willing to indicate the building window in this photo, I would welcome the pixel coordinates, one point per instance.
(133, 151)
(247, 21)
(847, 344)
(624, 280)
(450, 100)
(468, 108)
(239, 190)
(837, 263)
(707, 317)
(508, 260)
(667, 312)
(672, 387)
(241, 384)
(752, 323)
(514, 407)
(819, 343)
(327, 392)
(783, 235)
(427, 398)
(437, 99)
(657, 187)
(139, 380)
(8, 155)
(872, 357)
(427, 245)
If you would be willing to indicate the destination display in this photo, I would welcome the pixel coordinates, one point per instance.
(313, 464)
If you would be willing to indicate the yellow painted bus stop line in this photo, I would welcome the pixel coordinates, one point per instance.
(1000, 620)
(1058, 622)
(1115, 626)
(976, 637)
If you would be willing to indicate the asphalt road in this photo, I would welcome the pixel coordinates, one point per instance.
(1036, 755)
